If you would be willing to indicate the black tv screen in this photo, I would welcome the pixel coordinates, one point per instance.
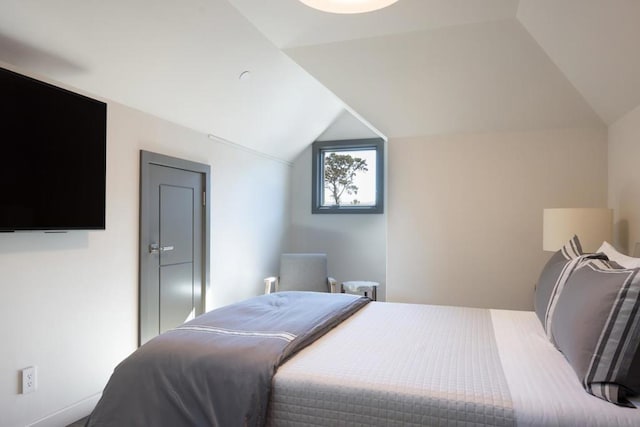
(52, 157)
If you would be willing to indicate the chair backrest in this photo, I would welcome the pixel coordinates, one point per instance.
(303, 272)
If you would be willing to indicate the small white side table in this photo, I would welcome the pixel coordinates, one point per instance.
(361, 286)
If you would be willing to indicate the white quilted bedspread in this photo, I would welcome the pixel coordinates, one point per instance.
(397, 364)
(544, 388)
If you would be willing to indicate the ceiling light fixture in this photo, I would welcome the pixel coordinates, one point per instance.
(348, 6)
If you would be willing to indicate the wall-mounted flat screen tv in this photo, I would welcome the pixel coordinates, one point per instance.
(52, 157)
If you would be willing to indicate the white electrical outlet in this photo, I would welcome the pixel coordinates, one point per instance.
(29, 380)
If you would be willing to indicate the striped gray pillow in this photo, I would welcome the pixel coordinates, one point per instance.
(596, 325)
(553, 278)
(550, 274)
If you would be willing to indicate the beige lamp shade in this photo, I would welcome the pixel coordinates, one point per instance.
(592, 226)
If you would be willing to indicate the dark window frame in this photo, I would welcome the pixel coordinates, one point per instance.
(317, 169)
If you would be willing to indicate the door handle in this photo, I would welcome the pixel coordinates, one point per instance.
(155, 248)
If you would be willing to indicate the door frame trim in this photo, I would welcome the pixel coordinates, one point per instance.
(148, 158)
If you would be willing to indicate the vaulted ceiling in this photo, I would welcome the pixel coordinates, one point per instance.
(418, 67)
(595, 43)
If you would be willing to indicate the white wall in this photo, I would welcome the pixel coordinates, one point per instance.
(465, 211)
(355, 244)
(624, 179)
(69, 302)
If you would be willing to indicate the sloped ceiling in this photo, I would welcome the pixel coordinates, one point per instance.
(422, 67)
(469, 78)
(417, 67)
(289, 23)
(596, 44)
(178, 60)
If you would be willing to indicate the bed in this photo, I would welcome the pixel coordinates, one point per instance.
(410, 364)
(308, 358)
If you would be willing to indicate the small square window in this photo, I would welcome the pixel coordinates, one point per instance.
(348, 176)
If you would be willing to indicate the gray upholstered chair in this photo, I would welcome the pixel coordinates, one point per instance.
(302, 272)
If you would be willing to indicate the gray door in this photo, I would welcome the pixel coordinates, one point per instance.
(172, 244)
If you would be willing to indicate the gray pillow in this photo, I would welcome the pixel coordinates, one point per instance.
(596, 325)
(549, 284)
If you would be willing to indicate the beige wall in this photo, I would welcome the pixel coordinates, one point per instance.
(69, 301)
(624, 179)
(465, 211)
(355, 244)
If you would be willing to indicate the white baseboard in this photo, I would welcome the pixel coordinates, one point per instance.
(70, 414)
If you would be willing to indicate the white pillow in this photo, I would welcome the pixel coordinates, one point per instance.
(622, 259)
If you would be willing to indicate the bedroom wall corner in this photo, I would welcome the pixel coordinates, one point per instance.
(624, 180)
(70, 301)
(465, 211)
(355, 244)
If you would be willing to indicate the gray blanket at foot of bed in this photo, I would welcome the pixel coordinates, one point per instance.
(216, 370)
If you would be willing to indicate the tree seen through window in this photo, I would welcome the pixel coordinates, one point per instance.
(343, 171)
(348, 176)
